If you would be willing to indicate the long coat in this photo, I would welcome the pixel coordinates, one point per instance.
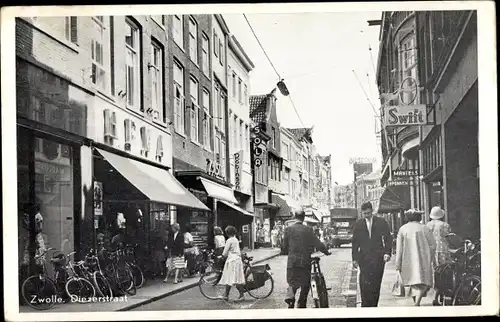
(415, 254)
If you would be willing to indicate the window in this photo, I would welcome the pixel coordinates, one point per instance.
(159, 19)
(206, 119)
(222, 104)
(193, 90)
(274, 137)
(247, 143)
(100, 54)
(304, 163)
(178, 25)
(204, 55)
(223, 159)
(178, 98)
(408, 63)
(216, 45)
(242, 144)
(71, 29)
(221, 51)
(217, 149)
(294, 187)
(285, 151)
(132, 65)
(215, 105)
(156, 72)
(234, 85)
(235, 133)
(245, 97)
(240, 99)
(193, 40)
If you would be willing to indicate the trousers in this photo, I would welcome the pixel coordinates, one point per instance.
(370, 280)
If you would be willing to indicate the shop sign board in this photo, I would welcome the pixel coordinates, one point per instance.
(213, 168)
(404, 115)
(404, 173)
(237, 169)
(244, 229)
(394, 183)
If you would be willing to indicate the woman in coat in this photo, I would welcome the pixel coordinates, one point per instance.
(415, 255)
(176, 248)
(439, 229)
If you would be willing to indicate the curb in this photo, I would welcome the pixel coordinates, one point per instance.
(181, 289)
(353, 289)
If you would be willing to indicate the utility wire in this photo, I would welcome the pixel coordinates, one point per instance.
(257, 38)
(373, 64)
(275, 70)
(366, 95)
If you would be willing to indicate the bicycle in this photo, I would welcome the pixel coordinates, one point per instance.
(119, 274)
(131, 262)
(92, 268)
(77, 286)
(319, 291)
(255, 278)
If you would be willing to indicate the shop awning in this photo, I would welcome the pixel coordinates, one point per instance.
(394, 199)
(284, 209)
(157, 184)
(218, 191)
(313, 212)
(235, 207)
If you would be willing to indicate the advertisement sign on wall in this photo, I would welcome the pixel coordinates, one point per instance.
(98, 198)
(403, 115)
(238, 157)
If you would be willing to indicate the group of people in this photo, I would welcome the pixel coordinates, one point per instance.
(419, 249)
(277, 236)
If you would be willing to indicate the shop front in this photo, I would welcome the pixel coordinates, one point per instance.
(51, 129)
(432, 170)
(135, 199)
(393, 202)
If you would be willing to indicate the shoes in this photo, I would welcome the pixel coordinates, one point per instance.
(165, 280)
(290, 303)
(241, 298)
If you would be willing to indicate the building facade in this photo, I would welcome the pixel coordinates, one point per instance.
(94, 130)
(438, 49)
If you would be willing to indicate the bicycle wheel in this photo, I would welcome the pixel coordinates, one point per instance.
(322, 292)
(39, 292)
(80, 289)
(265, 290)
(209, 284)
(102, 284)
(468, 292)
(137, 274)
(125, 280)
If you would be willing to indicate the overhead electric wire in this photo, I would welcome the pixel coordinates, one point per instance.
(366, 95)
(275, 70)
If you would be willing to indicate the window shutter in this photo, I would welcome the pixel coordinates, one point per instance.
(107, 122)
(211, 133)
(159, 146)
(128, 129)
(143, 139)
(113, 124)
(187, 118)
(74, 29)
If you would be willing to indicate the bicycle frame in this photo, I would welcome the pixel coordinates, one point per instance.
(315, 273)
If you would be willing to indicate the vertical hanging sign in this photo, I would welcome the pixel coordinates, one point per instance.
(97, 198)
(238, 156)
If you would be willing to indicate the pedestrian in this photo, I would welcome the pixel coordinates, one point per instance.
(299, 243)
(176, 252)
(371, 249)
(219, 241)
(261, 235)
(439, 230)
(274, 237)
(415, 252)
(189, 251)
(159, 255)
(233, 274)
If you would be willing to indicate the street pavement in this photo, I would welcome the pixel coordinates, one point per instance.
(336, 268)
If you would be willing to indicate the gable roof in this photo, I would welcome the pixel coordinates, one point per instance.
(258, 107)
(302, 133)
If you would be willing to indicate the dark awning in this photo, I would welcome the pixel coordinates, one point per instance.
(394, 199)
(156, 184)
(284, 210)
(235, 207)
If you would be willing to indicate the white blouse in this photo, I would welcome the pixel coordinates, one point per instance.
(219, 241)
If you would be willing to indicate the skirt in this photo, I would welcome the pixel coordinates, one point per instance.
(233, 272)
(178, 262)
(418, 289)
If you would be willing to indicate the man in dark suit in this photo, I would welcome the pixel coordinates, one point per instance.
(371, 249)
(299, 243)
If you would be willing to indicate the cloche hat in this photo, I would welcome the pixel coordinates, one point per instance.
(436, 213)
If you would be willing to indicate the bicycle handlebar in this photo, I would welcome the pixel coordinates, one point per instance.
(44, 252)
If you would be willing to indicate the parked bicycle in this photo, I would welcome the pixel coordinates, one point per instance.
(78, 286)
(92, 269)
(256, 278)
(41, 292)
(319, 291)
(131, 262)
(459, 282)
(118, 273)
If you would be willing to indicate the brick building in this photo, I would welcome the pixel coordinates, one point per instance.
(94, 129)
(438, 49)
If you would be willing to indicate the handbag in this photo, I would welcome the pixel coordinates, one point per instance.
(398, 289)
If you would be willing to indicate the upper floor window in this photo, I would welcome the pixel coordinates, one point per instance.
(193, 90)
(132, 62)
(193, 40)
(274, 137)
(240, 98)
(234, 84)
(245, 95)
(206, 119)
(285, 151)
(178, 31)
(159, 19)
(408, 63)
(204, 55)
(216, 45)
(156, 72)
(247, 142)
(242, 129)
(71, 29)
(100, 53)
(179, 98)
(221, 51)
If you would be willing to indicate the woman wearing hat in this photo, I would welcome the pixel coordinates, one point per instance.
(439, 229)
(415, 255)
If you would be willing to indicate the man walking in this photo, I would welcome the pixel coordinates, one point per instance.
(299, 243)
(371, 249)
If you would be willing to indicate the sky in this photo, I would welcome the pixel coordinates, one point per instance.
(316, 53)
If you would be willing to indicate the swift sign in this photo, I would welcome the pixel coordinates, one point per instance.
(403, 115)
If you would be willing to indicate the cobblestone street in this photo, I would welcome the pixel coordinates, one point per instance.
(335, 268)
